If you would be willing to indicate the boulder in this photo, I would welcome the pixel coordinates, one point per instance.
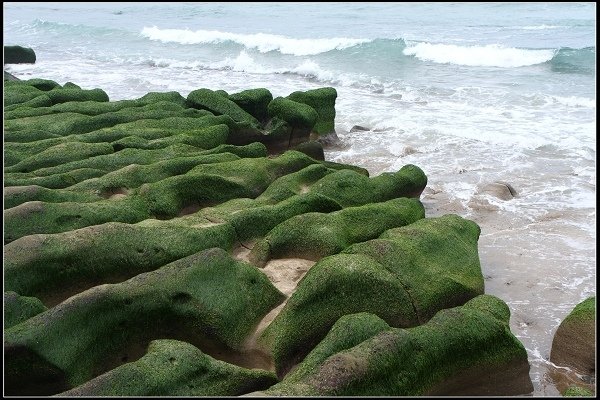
(254, 102)
(206, 99)
(291, 122)
(18, 55)
(311, 148)
(322, 100)
(501, 190)
(358, 128)
(574, 343)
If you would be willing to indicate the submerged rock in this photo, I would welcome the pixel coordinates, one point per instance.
(501, 190)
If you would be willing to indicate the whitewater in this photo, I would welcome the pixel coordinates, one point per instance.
(472, 93)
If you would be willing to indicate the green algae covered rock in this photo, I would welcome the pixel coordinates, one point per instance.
(171, 97)
(206, 99)
(254, 102)
(42, 84)
(322, 100)
(404, 278)
(53, 267)
(16, 195)
(207, 299)
(351, 188)
(61, 154)
(20, 308)
(29, 129)
(15, 93)
(462, 351)
(436, 259)
(55, 181)
(311, 148)
(574, 343)
(253, 222)
(576, 391)
(297, 115)
(18, 55)
(29, 107)
(71, 85)
(111, 161)
(315, 235)
(61, 95)
(175, 368)
(349, 331)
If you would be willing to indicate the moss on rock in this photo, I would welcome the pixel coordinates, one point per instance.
(298, 115)
(254, 102)
(462, 351)
(315, 235)
(61, 95)
(207, 299)
(351, 188)
(574, 343)
(15, 195)
(206, 99)
(322, 100)
(61, 154)
(20, 308)
(576, 391)
(175, 368)
(404, 277)
(52, 267)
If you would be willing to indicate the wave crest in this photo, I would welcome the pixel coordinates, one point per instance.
(263, 42)
(478, 56)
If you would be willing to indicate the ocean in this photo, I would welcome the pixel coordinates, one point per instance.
(472, 93)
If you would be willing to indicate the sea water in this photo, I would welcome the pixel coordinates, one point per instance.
(473, 93)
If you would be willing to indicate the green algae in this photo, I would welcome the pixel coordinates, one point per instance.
(322, 100)
(206, 99)
(253, 101)
(20, 308)
(404, 277)
(207, 299)
(175, 368)
(418, 361)
(316, 235)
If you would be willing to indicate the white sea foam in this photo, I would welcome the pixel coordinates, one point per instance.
(574, 101)
(540, 27)
(262, 42)
(483, 56)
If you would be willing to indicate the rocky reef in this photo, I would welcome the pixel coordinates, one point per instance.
(197, 246)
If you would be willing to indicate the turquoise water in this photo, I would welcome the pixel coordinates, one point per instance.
(473, 93)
